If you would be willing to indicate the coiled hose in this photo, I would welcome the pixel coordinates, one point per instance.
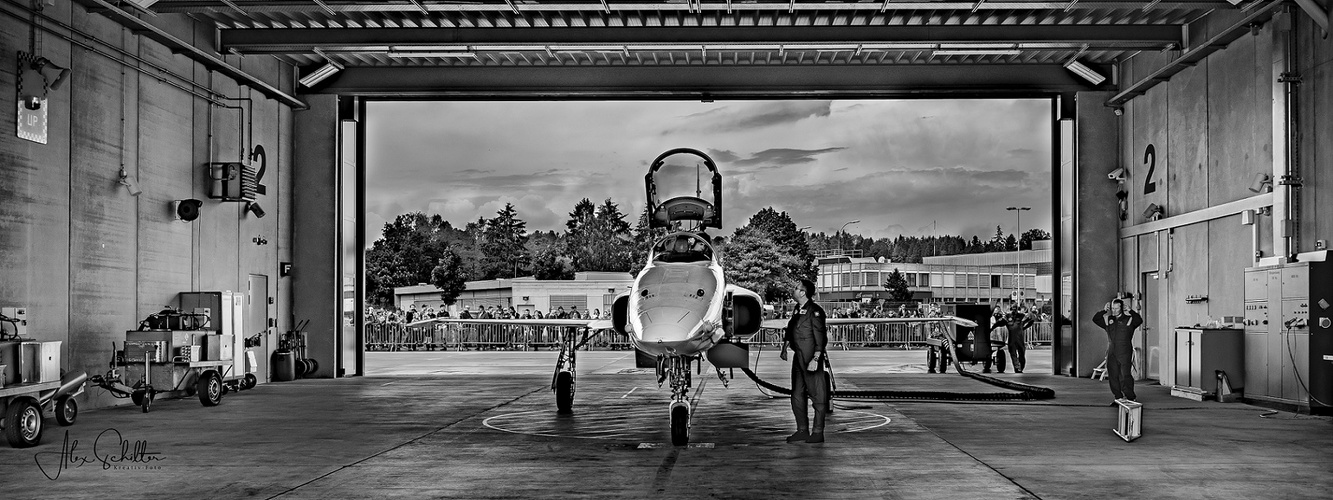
(1025, 392)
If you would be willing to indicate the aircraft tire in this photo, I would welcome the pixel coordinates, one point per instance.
(564, 393)
(680, 425)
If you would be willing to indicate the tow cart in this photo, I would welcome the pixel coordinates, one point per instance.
(176, 377)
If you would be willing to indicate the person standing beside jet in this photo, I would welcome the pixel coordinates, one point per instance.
(807, 335)
(1119, 325)
(1019, 322)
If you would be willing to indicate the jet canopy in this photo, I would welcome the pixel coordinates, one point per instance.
(684, 208)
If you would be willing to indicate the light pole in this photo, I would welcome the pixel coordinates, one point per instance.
(841, 283)
(1018, 255)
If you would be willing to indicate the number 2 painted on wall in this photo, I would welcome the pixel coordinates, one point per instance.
(1150, 158)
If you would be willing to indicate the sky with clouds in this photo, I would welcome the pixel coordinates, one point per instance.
(896, 165)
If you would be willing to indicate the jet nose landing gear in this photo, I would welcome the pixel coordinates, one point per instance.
(680, 423)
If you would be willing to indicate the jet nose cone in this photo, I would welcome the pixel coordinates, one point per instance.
(664, 332)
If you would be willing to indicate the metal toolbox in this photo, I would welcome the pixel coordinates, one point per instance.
(138, 350)
(39, 362)
(217, 348)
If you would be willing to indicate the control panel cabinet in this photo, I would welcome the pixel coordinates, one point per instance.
(1289, 335)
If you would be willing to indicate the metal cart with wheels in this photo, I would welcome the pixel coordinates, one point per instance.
(23, 407)
(174, 378)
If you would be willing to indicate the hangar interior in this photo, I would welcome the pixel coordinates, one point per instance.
(1212, 117)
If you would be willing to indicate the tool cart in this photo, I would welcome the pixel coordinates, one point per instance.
(30, 386)
(175, 364)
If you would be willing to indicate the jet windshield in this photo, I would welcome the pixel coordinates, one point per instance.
(682, 247)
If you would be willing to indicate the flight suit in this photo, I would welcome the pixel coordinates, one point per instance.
(1120, 354)
(807, 334)
(1018, 323)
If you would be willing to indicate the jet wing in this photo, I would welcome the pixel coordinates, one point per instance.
(782, 323)
(594, 324)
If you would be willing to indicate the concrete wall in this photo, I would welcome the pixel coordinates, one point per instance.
(88, 259)
(1210, 128)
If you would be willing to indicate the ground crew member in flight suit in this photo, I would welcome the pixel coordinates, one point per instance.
(807, 335)
(1019, 322)
(1119, 325)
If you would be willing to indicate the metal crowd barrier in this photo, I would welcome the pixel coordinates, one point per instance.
(490, 336)
(478, 336)
(890, 336)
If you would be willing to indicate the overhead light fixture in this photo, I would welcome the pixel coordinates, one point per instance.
(1087, 73)
(977, 52)
(427, 53)
(328, 69)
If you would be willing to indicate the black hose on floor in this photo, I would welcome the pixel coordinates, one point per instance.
(1025, 392)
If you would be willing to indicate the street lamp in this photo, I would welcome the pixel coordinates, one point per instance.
(1018, 256)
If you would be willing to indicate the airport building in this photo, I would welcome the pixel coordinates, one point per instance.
(588, 291)
(984, 278)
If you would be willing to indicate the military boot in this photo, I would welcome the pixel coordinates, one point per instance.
(817, 432)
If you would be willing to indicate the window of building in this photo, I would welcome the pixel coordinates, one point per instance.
(995, 281)
(569, 301)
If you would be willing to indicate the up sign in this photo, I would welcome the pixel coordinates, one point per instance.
(32, 123)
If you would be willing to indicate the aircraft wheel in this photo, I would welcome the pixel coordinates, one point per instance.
(999, 360)
(210, 388)
(66, 410)
(564, 392)
(23, 423)
(680, 425)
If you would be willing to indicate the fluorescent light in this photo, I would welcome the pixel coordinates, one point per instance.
(977, 52)
(1087, 73)
(427, 53)
(319, 75)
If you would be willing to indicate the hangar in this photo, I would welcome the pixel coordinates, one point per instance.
(1192, 140)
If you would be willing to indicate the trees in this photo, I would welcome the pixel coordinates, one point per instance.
(756, 262)
(597, 238)
(409, 250)
(896, 284)
(791, 241)
(1031, 235)
(504, 245)
(449, 276)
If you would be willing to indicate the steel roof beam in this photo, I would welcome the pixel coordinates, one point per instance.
(212, 6)
(718, 81)
(288, 39)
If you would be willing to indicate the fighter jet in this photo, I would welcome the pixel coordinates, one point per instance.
(680, 310)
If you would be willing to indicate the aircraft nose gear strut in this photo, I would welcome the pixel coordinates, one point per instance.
(678, 372)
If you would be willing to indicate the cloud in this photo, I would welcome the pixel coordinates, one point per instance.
(784, 156)
(745, 116)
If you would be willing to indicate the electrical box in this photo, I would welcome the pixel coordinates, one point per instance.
(1200, 354)
(19, 325)
(231, 181)
(226, 319)
(1288, 339)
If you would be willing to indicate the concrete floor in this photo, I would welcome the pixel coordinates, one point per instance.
(483, 425)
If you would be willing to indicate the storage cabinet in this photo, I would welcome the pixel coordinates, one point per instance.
(1201, 353)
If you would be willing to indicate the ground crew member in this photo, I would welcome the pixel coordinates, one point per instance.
(1119, 325)
(808, 336)
(1019, 322)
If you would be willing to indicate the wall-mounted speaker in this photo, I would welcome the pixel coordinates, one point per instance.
(187, 210)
